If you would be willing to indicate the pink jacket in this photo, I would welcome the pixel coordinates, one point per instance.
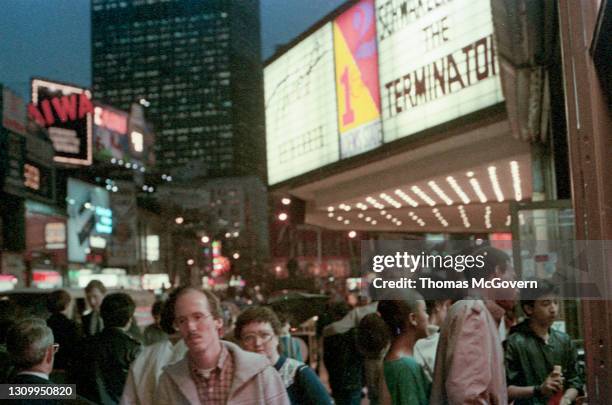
(469, 362)
(254, 382)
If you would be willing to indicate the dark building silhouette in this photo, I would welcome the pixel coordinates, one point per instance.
(198, 64)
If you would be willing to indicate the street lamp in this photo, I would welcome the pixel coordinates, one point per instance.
(205, 239)
(236, 255)
(179, 220)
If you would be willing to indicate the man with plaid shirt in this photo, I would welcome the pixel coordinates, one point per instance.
(214, 371)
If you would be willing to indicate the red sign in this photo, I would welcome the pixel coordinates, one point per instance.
(67, 112)
(116, 121)
(46, 279)
(54, 110)
(45, 276)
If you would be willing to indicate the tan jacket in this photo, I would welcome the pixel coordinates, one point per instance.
(469, 362)
(254, 382)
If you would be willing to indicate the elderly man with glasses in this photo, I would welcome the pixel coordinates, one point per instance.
(29, 343)
(214, 371)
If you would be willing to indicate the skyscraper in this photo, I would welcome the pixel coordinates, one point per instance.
(197, 65)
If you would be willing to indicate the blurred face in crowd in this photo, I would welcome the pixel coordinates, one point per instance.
(544, 310)
(506, 298)
(439, 312)
(156, 319)
(259, 337)
(194, 321)
(420, 319)
(94, 299)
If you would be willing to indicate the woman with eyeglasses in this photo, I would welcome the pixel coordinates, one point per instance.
(258, 330)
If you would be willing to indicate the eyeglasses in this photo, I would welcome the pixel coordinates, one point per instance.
(184, 320)
(55, 347)
(251, 338)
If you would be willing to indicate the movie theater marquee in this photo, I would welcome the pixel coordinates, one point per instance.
(301, 125)
(437, 62)
(432, 61)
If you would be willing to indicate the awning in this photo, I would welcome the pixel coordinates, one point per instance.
(461, 183)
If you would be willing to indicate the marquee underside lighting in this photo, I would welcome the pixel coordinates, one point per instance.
(475, 200)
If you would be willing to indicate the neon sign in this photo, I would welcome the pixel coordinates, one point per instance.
(111, 120)
(104, 220)
(67, 112)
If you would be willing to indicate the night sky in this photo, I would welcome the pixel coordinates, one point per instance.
(51, 38)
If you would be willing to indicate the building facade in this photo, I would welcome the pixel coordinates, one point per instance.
(196, 65)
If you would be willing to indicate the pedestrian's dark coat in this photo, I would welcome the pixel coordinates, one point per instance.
(67, 333)
(102, 363)
(529, 360)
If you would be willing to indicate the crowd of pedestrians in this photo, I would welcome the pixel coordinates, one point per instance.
(417, 348)
(444, 348)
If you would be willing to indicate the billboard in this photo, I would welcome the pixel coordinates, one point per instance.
(46, 236)
(89, 215)
(300, 100)
(382, 70)
(66, 111)
(123, 243)
(110, 133)
(122, 136)
(434, 66)
(357, 88)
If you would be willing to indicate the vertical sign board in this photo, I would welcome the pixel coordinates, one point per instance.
(13, 112)
(357, 88)
(89, 214)
(66, 111)
(437, 62)
(141, 137)
(38, 168)
(12, 159)
(301, 123)
(123, 244)
(12, 143)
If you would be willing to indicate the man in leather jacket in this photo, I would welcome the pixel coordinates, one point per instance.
(103, 361)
